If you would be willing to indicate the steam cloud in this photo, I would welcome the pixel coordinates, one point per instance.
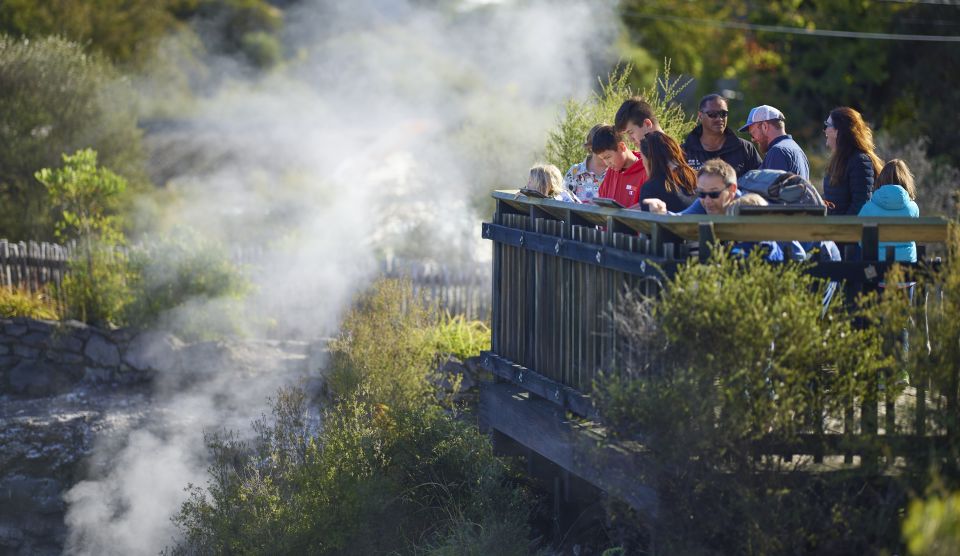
(384, 134)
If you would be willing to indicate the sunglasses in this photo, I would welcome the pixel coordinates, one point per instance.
(827, 124)
(711, 194)
(716, 114)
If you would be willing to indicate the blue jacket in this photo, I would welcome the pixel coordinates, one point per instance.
(853, 191)
(893, 200)
(785, 154)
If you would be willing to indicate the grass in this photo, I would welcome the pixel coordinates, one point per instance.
(19, 302)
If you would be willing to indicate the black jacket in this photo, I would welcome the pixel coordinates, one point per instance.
(656, 188)
(737, 152)
(849, 196)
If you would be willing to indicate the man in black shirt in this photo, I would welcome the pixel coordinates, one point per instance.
(713, 139)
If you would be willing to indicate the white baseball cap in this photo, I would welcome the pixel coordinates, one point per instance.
(762, 113)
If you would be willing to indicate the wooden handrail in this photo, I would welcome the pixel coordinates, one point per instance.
(928, 229)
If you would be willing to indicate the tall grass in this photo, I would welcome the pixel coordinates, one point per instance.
(20, 302)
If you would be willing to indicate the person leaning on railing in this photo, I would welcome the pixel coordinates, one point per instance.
(583, 179)
(717, 191)
(895, 197)
(546, 179)
(671, 179)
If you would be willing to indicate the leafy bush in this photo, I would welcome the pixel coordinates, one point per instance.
(57, 99)
(19, 302)
(932, 526)
(565, 144)
(736, 352)
(387, 472)
(96, 285)
(181, 270)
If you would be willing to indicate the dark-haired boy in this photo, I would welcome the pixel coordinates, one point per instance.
(625, 171)
(635, 117)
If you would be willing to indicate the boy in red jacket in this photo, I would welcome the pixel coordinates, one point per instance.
(625, 171)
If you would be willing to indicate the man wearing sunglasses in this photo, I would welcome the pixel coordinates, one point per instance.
(713, 139)
(766, 126)
(716, 192)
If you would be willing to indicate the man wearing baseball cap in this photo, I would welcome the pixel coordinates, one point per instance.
(766, 126)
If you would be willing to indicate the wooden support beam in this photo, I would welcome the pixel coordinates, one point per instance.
(577, 448)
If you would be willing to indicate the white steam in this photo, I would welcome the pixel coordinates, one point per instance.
(384, 133)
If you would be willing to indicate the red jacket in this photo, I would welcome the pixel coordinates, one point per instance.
(624, 185)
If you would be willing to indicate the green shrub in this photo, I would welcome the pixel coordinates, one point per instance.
(385, 347)
(736, 351)
(18, 302)
(932, 526)
(388, 471)
(565, 144)
(57, 99)
(181, 270)
(96, 285)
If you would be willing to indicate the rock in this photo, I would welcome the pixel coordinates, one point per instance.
(36, 339)
(4, 350)
(96, 375)
(36, 378)
(102, 352)
(47, 326)
(15, 329)
(67, 342)
(26, 352)
(26, 494)
(153, 351)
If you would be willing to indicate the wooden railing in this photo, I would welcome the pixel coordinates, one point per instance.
(559, 269)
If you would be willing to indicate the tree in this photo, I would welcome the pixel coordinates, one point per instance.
(56, 99)
(87, 198)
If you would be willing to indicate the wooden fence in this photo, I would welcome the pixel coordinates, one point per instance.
(31, 265)
(458, 289)
(559, 268)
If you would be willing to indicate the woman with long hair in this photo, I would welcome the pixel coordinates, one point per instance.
(853, 164)
(671, 179)
(895, 197)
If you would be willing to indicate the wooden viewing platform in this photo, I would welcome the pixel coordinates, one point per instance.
(558, 271)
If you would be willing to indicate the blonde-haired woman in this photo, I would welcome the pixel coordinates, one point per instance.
(546, 179)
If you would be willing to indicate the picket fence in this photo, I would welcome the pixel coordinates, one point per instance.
(458, 289)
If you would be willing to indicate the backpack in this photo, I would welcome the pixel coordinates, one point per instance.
(780, 188)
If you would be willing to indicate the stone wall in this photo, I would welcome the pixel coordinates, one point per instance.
(44, 358)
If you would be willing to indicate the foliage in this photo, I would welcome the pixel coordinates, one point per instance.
(96, 284)
(461, 338)
(56, 99)
(19, 302)
(891, 81)
(565, 144)
(388, 471)
(932, 526)
(85, 197)
(735, 352)
(935, 179)
(122, 30)
(385, 346)
(181, 269)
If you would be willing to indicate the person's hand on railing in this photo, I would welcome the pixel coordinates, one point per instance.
(656, 206)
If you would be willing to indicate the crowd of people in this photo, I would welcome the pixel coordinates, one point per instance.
(700, 175)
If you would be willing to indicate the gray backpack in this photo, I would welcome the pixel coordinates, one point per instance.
(780, 188)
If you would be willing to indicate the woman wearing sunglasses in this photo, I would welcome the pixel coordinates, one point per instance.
(853, 164)
(671, 180)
